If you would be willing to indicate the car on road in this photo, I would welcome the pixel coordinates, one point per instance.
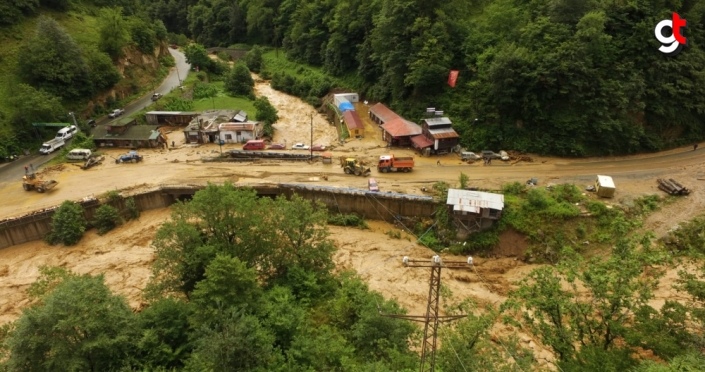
(503, 155)
(300, 146)
(130, 157)
(156, 96)
(487, 154)
(468, 155)
(372, 184)
(277, 146)
(115, 113)
(318, 148)
(91, 123)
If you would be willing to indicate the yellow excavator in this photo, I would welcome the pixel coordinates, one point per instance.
(354, 166)
(30, 181)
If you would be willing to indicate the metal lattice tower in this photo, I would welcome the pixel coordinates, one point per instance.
(431, 319)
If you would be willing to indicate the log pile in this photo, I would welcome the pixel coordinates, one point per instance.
(672, 187)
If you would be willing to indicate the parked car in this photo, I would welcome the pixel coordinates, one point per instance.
(299, 146)
(490, 154)
(91, 123)
(115, 113)
(130, 157)
(372, 184)
(467, 155)
(277, 146)
(318, 148)
(156, 96)
(503, 155)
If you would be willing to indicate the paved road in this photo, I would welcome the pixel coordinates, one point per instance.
(10, 172)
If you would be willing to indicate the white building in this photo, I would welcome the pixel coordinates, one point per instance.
(474, 210)
(239, 132)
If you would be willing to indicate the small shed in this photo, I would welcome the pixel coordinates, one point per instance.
(345, 97)
(354, 124)
(473, 211)
(604, 186)
(327, 157)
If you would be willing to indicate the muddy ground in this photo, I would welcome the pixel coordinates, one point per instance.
(124, 255)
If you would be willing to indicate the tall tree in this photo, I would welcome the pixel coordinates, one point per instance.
(582, 326)
(239, 82)
(79, 325)
(114, 32)
(278, 238)
(52, 60)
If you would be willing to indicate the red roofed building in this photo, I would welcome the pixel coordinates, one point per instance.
(353, 123)
(380, 114)
(398, 131)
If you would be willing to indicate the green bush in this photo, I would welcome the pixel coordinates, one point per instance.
(131, 209)
(347, 220)
(106, 218)
(567, 193)
(67, 224)
(253, 59)
(394, 234)
(538, 198)
(113, 197)
(431, 241)
(514, 188)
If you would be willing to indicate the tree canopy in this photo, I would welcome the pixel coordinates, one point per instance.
(563, 77)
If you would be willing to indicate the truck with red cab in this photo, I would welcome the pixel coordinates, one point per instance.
(390, 163)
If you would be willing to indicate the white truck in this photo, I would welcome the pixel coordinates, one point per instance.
(52, 145)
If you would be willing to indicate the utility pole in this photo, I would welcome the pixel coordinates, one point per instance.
(311, 145)
(431, 320)
(74, 118)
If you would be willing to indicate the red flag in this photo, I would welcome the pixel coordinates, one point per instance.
(452, 78)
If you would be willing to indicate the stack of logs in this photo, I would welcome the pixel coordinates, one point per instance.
(672, 187)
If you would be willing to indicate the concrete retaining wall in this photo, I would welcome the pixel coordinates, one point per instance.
(389, 207)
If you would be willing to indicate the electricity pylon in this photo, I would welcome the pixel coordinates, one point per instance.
(431, 320)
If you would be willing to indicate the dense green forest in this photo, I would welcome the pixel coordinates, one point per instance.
(564, 77)
(567, 77)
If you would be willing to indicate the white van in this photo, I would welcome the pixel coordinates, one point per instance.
(66, 133)
(79, 154)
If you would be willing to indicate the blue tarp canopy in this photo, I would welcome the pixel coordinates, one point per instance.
(346, 106)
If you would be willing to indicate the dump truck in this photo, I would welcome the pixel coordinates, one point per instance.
(390, 163)
(30, 181)
(354, 166)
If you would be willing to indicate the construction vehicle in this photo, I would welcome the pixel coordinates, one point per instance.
(354, 166)
(30, 181)
(92, 161)
(390, 163)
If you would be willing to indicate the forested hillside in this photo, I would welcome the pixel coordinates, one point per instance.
(567, 77)
(70, 55)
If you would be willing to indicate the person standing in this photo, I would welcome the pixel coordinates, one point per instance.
(695, 147)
